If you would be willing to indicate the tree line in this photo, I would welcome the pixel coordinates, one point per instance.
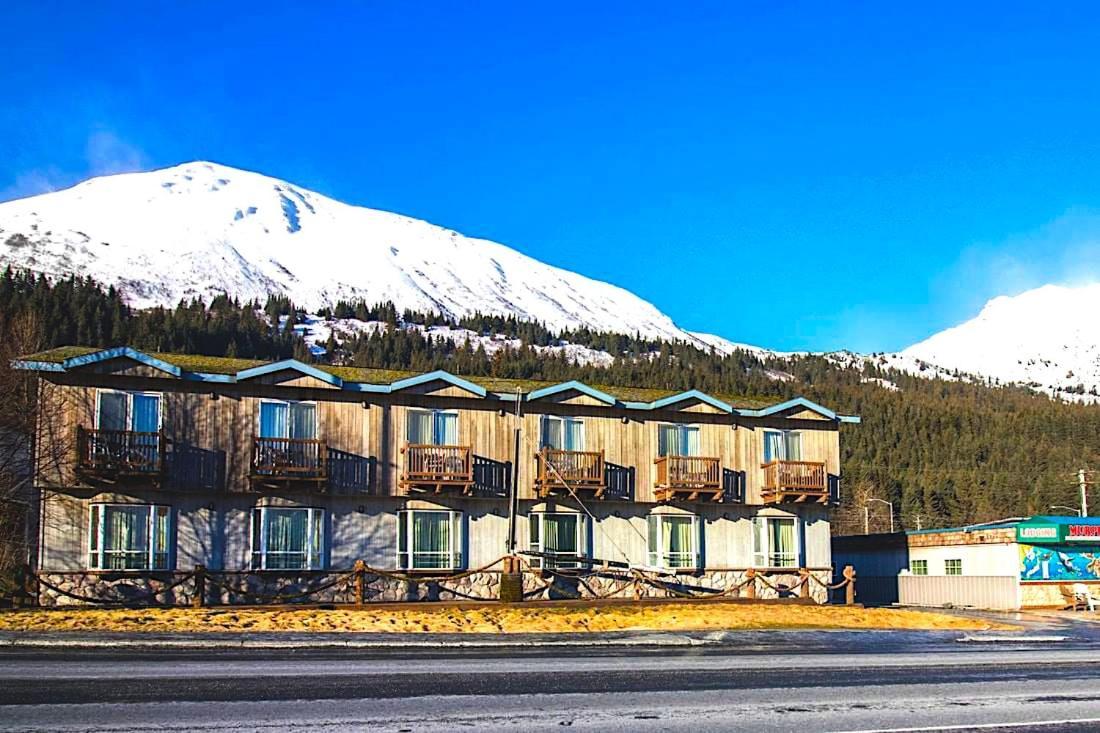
(945, 452)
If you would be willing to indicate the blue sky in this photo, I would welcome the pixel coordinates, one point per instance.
(778, 173)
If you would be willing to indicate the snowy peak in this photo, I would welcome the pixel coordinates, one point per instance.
(1048, 338)
(203, 229)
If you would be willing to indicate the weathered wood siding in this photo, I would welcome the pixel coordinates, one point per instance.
(374, 427)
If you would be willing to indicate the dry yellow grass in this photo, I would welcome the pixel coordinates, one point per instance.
(671, 616)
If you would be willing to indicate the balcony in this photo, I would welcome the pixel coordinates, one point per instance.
(111, 455)
(688, 478)
(795, 481)
(289, 461)
(565, 470)
(437, 467)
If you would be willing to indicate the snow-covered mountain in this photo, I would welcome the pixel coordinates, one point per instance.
(1047, 338)
(203, 229)
(200, 229)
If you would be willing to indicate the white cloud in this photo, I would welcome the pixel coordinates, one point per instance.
(104, 153)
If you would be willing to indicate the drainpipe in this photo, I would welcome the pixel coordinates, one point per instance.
(513, 489)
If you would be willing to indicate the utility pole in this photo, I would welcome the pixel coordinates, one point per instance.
(866, 520)
(1083, 482)
(918, 523)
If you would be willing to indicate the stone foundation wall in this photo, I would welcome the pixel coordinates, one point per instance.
(258, 588)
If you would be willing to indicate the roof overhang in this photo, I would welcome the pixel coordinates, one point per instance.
(571, 386)
(292, 365)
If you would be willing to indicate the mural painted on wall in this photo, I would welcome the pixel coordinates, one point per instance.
(1059, 563)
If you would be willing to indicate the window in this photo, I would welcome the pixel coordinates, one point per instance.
(782, 445)
(288, 538)
(953, 567)
(429, 539)
(673, 541)
(293, 420)
(563, 536)
(431, 427)
(677, 440)
(775, 542)
(128, 537)
(918, 567)
(562, 433)
(137, 412)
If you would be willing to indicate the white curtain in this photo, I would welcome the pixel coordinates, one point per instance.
(690, 441)
(419, 427)
(303, 421)
(794, 446)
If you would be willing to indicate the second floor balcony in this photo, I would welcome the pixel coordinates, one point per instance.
(436, 468)
(688, 478)
(795, 481)
(286, 461)
(109, 455)
(567, 471)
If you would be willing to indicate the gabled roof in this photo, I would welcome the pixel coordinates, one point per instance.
(387, 381)
(438, 376)
(119, 352)
(804, 404)
(292, 365)
(573, 386)
(675, 399)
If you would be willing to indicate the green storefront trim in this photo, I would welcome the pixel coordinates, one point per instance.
(1038, 532)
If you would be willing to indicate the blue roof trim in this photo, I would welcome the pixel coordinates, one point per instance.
(800, 402)
(38, 366)
(121, 352)
(691, 394)
(293, 365)
(438, 375)
(574, 385)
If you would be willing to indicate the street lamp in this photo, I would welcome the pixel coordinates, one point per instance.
(867, 515)
(1069, 508)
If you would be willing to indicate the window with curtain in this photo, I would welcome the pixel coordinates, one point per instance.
(296, 420)
(431, 427)
(288, 538)
(673, 541)
(563, 536)
(678, 440)
(562, 433)
(429, 539)
(775, 542)
(138, 412)
(782, 445)
(129, 536)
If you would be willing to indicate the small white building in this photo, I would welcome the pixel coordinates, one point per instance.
(1005, 565)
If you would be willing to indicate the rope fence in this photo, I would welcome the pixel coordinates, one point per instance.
(353, 585)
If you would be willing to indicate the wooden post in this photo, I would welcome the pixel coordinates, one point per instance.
(850, 589)
(359, 570)
(750, 588)
(511, 580)
(199, 599)
(804, 589)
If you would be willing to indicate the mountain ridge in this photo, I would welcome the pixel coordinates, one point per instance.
(201, 229)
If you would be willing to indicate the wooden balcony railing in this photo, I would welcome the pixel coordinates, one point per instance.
(437, 467)
(688, 477)
(797, 481)
(289, 459)
(564, 469)
(118, 453)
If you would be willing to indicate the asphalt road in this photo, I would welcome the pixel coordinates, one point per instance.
(855, 682)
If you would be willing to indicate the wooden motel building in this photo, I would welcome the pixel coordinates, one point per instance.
(282, 475)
